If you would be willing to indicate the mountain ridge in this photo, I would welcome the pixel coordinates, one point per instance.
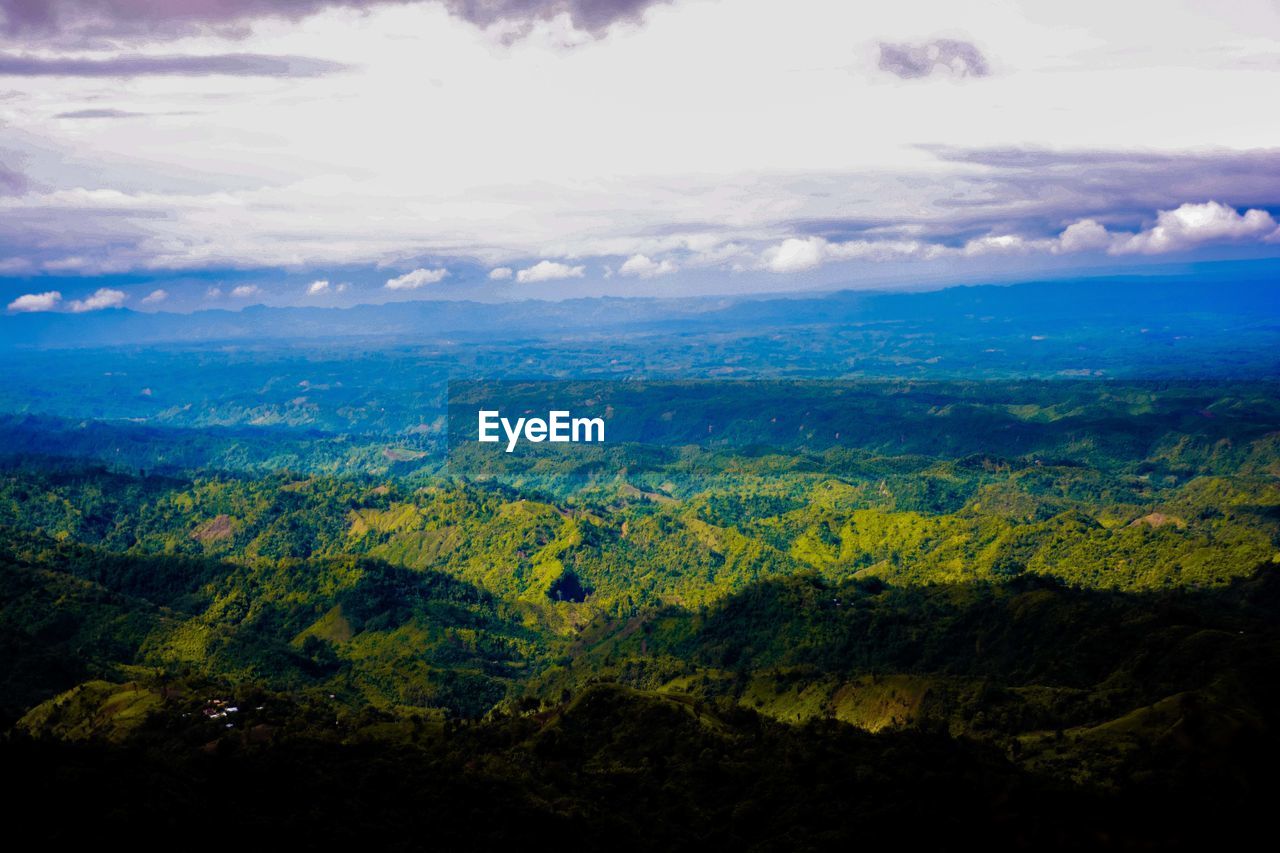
(1237, 290)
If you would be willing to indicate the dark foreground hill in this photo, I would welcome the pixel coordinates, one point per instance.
(795, 714)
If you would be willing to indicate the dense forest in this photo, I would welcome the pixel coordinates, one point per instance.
(773, 615)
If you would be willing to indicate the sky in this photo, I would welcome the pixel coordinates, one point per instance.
(188, 154)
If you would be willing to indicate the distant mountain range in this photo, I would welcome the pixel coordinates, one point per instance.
(1244, 291)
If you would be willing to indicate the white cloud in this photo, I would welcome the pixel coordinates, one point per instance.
(549, 271)
(883, 250)
(155, 296)
(29, 302)
(1000, 244)
(1185, 227)
(1191, 225)
(244, 291)
(645, 267)
(417, 278)
(796, 255)
(213, 293)
(601, 178)
(343, 287)
(103, 297)
(1086, 235)
(70, 264)
(316, 288)
(595, 182)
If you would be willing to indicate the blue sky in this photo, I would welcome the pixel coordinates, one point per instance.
(218, 153)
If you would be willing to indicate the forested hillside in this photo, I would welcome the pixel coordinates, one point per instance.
(768, 614)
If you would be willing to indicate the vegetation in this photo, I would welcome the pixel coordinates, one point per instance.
(777, 615)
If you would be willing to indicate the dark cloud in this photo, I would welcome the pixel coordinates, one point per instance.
(913, 61)
(148, 17)
(232, 64)
(1037, 192)
(591, 16)
(98, 114)
(1114, 183)
(156, 18)
(11, 182)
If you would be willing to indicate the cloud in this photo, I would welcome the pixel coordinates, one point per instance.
(75, 114)
(136, 65)
(30, 302)
(1183, 228)
(548, 271)
(244, 291)
(322, 287)
(1029, 193)
(103, 297)
(1044, 186)
(644, 267)
(913, 61)
(213, 293)
(11, 182)
(416, 279)
(589, 16)
(155, 297)
(152, 18)
(711, 225)
(999, 244)
(500, 274)
(797, 254)
(1083, 236)
(122, 18)
(1191, 225)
